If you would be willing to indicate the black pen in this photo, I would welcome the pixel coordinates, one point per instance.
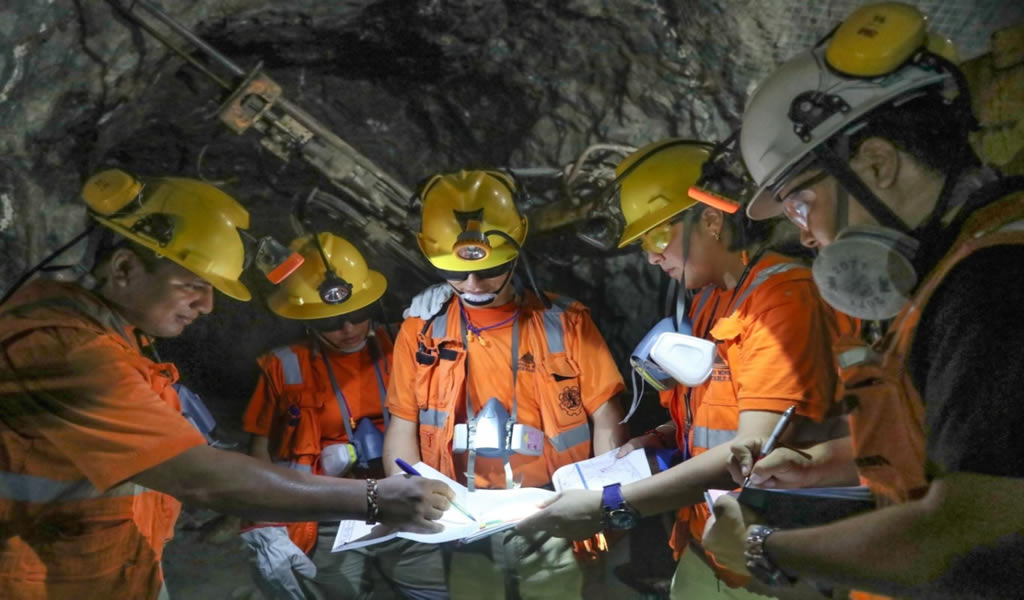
(769, 444)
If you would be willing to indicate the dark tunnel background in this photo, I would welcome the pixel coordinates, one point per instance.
(418, 87)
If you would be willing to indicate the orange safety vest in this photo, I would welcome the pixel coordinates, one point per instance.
(295, 440)
(441, 378)
(886, 410)
(702, 425)
(60, 537)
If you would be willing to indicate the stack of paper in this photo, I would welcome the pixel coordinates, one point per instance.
(497, 510)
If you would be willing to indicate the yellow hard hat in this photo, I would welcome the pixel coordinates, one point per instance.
(655, 182)
(190, 222)
(298, 296)
(458, 211)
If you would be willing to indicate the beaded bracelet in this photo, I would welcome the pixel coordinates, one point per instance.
(372, 510)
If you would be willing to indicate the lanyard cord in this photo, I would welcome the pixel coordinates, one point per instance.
(470, 417)
(476, 331)
(346, 414)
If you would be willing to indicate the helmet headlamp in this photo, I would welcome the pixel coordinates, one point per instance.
(334, 289)
(471, 245)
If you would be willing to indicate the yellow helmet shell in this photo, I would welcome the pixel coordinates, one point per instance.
(876, 39)
(445, 196)
(656, 184)
(298, 296)
(200, 222)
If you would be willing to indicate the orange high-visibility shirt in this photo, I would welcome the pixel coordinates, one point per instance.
(355, 374)
(83, 411)
(490, 375)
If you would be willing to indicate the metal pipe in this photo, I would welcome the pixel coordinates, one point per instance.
(195, 40)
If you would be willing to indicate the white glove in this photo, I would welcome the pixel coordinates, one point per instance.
(275, 561)
(428, 302)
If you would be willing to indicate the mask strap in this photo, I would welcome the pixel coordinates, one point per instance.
(839, 168)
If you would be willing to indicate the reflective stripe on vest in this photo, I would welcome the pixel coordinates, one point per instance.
(705, 437)
(765, 274)
(575, 436)
(290, 365)
(293, 374)
(291, 464)
(433, 417)
(553, 330)
(18, 487)
(554, 334)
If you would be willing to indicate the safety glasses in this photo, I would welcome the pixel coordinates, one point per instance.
(657, 239)
(481, 274)
(338, 322)
(796, 202)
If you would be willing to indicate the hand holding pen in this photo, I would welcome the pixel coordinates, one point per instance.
(412, 471)
(770, 443)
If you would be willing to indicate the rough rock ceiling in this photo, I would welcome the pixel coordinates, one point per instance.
(417, 86)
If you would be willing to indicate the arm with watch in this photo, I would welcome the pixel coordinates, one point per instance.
(578, 514)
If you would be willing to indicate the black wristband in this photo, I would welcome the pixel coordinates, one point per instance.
(372, 510)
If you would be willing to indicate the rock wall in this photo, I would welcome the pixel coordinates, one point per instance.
(416, 85)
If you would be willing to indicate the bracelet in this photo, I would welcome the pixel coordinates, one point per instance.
(372, 510)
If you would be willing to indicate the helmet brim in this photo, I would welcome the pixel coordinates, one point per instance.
(638, 228)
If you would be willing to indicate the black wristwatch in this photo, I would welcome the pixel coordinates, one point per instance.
(618, 514)
(758, 563)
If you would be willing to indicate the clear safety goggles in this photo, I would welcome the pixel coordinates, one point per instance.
(796, 203)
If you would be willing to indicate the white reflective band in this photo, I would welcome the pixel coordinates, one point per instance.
(294, 466)
(19, 487)
(440, 326)
(763, 275)
(290, 365)
(573, 437)
(705, 437)
(433, 417)
(553, 330)
(857, 356)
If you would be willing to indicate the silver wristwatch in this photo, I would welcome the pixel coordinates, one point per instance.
(758, 563)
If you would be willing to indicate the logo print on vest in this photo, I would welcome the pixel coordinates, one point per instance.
(527, 364)
(571, 401)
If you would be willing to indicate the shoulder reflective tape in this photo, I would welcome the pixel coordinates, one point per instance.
(573, 437)
(701, 300)
(440, 327)
(294, 466)
(857, 356)
(763, 276)
(20, 487)
(290, 365)
(706, 437)
(433, 417)
(553, 329)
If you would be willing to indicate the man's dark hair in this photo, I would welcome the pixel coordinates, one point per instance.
(111, 241)
(927, 128)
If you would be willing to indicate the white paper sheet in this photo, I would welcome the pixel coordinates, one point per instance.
(597, 472)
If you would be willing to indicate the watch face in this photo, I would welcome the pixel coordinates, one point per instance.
(622, 519)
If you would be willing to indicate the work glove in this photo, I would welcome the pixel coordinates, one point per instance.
(275, 561)
(428, 302)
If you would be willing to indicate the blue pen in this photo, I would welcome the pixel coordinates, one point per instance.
(410, 470)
